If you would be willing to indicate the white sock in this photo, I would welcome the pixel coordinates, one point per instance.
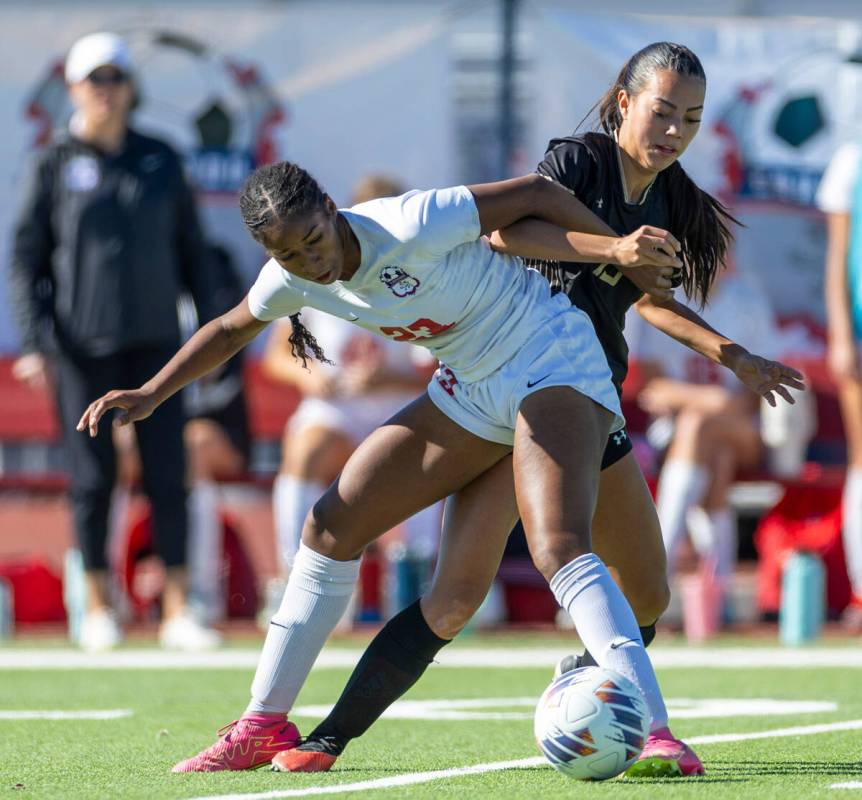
(714, 536)
(316, 596)
(205, 550)
(723, 523)
(607, 626)
(852, 530)
(422, 531)
(680, 486)
(292, 499)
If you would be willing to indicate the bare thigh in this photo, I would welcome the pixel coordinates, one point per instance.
(627, 537)
(415, 459)
(476, 526)
(315, 453)
(560, 435)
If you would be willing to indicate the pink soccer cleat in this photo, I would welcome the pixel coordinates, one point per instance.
(665, 756)
(247, 743)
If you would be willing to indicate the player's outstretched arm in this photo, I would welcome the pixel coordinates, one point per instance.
(210, 346)
(760, 375)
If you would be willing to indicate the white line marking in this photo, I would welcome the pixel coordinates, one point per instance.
(682, 708)
(114, 713)
(496, 766)
(461, 657)
(848, 785)
(387, 783)
(778, 733)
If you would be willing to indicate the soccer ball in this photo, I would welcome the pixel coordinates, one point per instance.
(591, 723)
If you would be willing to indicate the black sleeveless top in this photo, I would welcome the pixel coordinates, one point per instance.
(588, 165)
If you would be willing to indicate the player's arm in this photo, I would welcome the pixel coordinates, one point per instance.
(842, 354)
(761, 375)
(538, 218)
(211, 345)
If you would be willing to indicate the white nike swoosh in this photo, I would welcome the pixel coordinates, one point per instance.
(352, 317)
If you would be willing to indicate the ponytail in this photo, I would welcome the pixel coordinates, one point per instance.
(702, 225)
(302, 338)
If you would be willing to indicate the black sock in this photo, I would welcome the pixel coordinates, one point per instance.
(392, 663)
(647, 633)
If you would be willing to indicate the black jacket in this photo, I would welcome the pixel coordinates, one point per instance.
(102, 248)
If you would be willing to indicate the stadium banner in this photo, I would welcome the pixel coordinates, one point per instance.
(782, 94)
(233, 86)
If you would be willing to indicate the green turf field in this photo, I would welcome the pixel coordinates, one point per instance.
(175, 712)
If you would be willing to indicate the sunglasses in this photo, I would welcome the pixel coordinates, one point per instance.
(111, 78)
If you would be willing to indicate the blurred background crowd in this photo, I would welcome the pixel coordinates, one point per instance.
(189, 521)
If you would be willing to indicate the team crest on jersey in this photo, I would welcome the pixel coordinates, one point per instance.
(398, 281)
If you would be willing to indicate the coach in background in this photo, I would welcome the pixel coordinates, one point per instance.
(105, 241)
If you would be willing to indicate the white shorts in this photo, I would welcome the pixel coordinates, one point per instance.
(354, 417)
(565, 352)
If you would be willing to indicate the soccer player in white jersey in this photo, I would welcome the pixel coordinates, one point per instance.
(525, 375)
(840, 198)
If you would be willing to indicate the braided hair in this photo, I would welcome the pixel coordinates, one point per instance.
(271, 194)
(701, 223)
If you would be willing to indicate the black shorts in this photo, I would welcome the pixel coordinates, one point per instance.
(619, 445)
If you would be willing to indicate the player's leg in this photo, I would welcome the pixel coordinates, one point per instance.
(314, 449)
(476, 525)
(417, 458)
(559, 438)
(627, 537)
(850, 397)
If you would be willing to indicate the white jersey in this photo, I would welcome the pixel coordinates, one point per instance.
(835, 193)
(425, 276)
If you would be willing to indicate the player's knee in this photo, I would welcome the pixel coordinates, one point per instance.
(447, 619)
(651, 601)
(551, 553)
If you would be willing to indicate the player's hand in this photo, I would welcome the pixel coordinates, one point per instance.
(768, 378)
(33, 370)
(134, 405)
(648, 257)
(842, 358)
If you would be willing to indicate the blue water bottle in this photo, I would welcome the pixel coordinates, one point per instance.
(803, 599)
(7, 609)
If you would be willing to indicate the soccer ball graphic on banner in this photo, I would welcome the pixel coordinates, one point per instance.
(591, 723)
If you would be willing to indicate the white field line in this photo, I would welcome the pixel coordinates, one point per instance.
(496, 766)
(460, 657)
(680, 708)
(848, 785)
(114, 713)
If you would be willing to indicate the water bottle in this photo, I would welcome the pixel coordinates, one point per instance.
(803, 595)
(74, 592)
(407, 577)
(7, 610)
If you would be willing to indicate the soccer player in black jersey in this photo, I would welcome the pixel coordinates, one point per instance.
(629, 176)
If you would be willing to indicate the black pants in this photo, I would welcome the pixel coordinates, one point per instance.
(92, 461)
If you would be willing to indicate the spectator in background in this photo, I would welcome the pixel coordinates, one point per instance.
(105, 241)
(217, 442)
(840, 198)
(369, 380)
(708, 421)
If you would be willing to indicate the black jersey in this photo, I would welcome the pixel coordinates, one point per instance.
(588, 165)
